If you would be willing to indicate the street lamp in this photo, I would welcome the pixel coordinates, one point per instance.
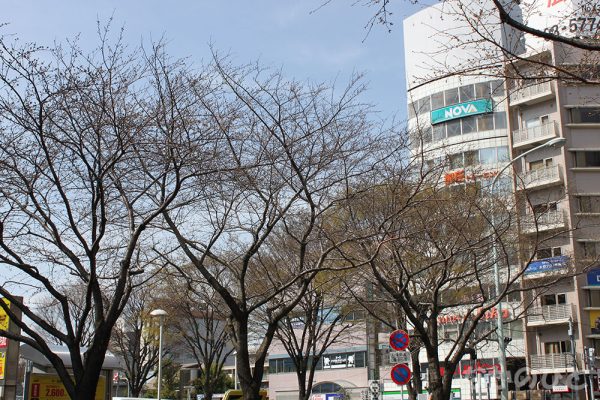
(555, 142)
(161, 318)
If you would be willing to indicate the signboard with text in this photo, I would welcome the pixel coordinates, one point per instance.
(547, 265)
(50, 387)
(4, 320)
(461, 110)
(593, 277)
(2, 365)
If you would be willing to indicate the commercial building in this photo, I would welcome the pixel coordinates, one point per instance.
(473, 122)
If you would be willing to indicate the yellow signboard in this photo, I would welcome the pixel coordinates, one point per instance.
(4, 321)
(49, 387)
(2, 364)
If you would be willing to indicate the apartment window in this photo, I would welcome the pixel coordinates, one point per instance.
(544, 208)
(589, 204)
(587, 159)
(437, 100)
(563, 346)
(451, 96)
(467, 93)
(547, 253)
(540, 164)
(554, 299)
(585, 115)
(469, 125)
(590, 249)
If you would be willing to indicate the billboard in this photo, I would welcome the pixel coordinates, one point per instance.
(595, 322)
(50, 387)
(546, 265)
(461, 110)
(4, 320)
(593, 277)
(2, 365)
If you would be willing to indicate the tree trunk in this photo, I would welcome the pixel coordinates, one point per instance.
(302, 392)
(248, 381)
(415, 386)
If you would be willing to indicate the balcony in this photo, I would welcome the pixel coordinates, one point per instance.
(540, 178)
(547, 221)
(530, 136)
(532, 93)
(552, 314)
(547, 363)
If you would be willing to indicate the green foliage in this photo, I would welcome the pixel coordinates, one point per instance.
(170, 381)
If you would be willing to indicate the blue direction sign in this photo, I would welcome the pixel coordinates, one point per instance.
(401, 374)
(399, 340)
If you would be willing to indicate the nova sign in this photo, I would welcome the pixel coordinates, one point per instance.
(461, 110)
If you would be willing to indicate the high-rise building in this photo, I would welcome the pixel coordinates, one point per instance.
(472, 115)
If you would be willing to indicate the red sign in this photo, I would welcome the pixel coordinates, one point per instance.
(35, 390)
(460, 176)
(552, 3)
(399, 340)
(401, 374)
(3, 342)
(489, 315)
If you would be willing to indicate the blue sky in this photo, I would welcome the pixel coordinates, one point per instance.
(307, 42)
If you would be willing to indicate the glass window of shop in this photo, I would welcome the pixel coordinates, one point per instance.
(437, 100)
(451, 96)
(424, 106)
(469, 125)
(485, 122)
(327, 361)
(467, 93)
(453, 128)
(482, 90)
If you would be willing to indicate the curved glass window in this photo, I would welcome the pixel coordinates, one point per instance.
(326, 387)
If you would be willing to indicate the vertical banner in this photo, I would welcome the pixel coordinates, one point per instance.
(2, 365)
(4, 320)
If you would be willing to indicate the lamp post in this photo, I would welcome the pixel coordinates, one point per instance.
(161, 317)
(555, 142)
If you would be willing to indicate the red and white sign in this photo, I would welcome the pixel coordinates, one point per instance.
(3, 342)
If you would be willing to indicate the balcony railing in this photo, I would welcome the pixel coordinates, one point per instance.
(549, 220)
(552, 314)
(534, 133)
(558, 361)
(531, 92)
(540, 177)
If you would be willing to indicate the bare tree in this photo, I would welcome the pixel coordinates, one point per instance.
(198, 317)
(87, 163)
(289, 152)
(134, 340)
(434, 252)
(318, 321)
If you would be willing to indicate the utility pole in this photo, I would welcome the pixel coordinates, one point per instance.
(574, 353)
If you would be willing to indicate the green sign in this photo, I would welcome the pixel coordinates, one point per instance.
(461, 110)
